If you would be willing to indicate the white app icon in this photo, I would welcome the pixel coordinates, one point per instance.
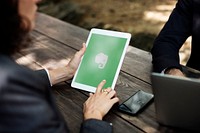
(101, 59)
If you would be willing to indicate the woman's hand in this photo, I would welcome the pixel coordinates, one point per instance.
(75, 61)
(99, 103)
(67, 72)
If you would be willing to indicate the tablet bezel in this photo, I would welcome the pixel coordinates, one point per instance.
(127, 36)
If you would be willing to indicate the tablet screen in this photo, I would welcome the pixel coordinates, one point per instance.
(102, 60)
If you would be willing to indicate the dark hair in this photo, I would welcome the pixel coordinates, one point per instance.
(13, 35)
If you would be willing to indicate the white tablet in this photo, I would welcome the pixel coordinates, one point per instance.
(102, 59)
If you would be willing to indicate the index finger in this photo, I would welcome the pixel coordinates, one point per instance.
(100, 86)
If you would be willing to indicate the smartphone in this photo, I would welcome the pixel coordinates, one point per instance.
(136, 102)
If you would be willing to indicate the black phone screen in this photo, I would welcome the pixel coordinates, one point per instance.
(136, 102)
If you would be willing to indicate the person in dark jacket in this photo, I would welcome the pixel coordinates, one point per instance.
(183, 22)
(26, 101)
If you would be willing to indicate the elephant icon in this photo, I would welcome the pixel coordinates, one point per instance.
(101, 59)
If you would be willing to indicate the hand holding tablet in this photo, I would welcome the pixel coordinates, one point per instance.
(102, 59)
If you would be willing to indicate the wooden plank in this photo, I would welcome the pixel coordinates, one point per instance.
(128, 85)
(138, 63)
(46, 49)
(48, 53)
(64, 94)
(60, 51)
(74, 37)
(63, 32)
(73, 111)
(124, 89)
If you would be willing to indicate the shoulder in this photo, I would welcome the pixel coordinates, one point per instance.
(26, 93)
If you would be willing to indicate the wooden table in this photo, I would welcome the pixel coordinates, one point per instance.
(55, 42)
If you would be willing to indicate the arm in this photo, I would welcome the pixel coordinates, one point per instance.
(165, 51)
(96, 107)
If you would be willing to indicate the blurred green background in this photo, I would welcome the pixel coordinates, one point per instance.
(142, 18)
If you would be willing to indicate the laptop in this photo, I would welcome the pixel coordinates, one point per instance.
(177, 101)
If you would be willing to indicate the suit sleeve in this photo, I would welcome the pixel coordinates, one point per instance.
(45, 75)
(165, 51)
(96, 126)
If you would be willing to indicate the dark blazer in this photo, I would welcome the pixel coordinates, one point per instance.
(183, 22)
(27, 105)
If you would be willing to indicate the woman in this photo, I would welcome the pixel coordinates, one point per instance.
(26, 103)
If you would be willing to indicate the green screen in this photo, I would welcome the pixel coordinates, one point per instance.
(100, 60)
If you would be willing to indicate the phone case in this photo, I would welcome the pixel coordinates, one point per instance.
(136, 102)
